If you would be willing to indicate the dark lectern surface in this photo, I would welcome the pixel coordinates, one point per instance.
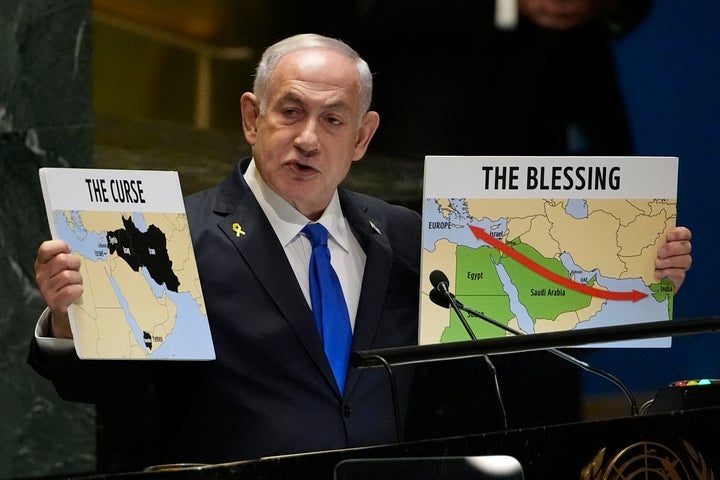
(678, 445)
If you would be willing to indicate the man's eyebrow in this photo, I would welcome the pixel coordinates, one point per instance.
(292, 97)
(338, 105)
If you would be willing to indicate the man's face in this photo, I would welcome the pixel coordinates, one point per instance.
(311, 129)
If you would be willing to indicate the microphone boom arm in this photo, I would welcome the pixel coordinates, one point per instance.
(575, 361)
(440, 284)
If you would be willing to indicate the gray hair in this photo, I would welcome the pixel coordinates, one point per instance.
(274, 53)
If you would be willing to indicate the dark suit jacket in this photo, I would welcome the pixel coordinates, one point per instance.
(271, 391)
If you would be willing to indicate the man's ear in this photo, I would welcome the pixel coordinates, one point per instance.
(250, 110)
(369, 125)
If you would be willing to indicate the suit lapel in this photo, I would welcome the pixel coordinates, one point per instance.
(378, 266)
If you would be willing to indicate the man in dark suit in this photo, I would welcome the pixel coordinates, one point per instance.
(271, 389)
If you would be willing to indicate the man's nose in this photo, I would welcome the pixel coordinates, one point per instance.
(306, 140)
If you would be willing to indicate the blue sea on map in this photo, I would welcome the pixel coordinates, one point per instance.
(87, 244)
(459, 219)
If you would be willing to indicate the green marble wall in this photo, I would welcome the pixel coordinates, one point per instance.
(46, 119)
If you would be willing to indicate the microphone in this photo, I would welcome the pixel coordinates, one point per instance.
(440, 282)
(444, 299)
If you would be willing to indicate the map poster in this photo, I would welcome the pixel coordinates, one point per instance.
(545, 244)
(141, 289)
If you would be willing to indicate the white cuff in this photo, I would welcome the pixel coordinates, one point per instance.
(45, 341)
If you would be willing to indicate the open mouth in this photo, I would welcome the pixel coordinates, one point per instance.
(301, 167)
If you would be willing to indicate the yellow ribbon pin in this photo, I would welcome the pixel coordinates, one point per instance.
(237, 228)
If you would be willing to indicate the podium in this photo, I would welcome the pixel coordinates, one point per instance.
(677, 443)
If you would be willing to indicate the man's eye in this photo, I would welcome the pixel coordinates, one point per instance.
(334, 121)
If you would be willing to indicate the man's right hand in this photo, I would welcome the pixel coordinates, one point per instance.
(57, 273)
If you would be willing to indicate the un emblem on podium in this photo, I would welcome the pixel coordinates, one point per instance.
(649, 461)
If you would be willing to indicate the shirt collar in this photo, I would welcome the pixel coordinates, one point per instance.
(288, 221)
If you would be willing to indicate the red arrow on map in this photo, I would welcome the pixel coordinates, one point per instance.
(481, 234)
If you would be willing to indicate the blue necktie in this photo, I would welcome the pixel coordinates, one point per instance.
(328, 304)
